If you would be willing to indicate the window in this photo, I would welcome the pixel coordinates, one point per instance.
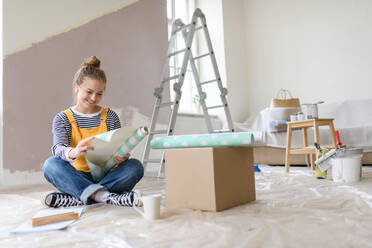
(182, 9)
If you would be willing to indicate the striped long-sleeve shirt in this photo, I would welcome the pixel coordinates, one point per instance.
(62, 129)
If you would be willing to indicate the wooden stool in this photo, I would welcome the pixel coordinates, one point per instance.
(311, 150)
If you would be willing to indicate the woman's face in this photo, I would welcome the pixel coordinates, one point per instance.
(89, 93)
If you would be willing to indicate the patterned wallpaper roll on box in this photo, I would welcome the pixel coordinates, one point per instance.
(203, 140)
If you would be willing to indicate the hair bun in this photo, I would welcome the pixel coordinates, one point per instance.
(92, 61)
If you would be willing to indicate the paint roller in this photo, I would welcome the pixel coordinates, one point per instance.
(324, 162)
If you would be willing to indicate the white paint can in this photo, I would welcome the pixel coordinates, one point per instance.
(347, 169)
(300, 117)
(311, 110)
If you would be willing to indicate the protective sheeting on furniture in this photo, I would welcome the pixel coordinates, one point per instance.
(353, 119)
(291, 210)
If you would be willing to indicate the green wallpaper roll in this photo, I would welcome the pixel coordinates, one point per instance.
(97, 170)
(203, 140)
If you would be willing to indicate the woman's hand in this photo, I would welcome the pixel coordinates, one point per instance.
(118, 159)
(81, 149)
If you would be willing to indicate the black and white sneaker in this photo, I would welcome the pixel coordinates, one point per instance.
(57, 199)
(127, 199)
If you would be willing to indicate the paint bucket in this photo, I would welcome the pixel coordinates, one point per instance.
(300, 116)
(311, 110)
(293, 117)
(347, 165)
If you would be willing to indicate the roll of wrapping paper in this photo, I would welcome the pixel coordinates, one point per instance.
(99, 172)
(203, 140)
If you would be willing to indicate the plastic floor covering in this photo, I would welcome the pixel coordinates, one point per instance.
(291, 210)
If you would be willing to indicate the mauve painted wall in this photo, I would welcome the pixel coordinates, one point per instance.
(131, 44)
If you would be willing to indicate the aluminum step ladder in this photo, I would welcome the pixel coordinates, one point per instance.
(198, 23)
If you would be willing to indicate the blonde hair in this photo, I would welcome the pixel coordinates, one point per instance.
(90, 68)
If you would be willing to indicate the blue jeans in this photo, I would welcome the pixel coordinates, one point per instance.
(80, 184)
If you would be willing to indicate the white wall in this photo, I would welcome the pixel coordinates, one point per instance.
(235, 55)
(31, 21)
(319, 50)
(1, 93)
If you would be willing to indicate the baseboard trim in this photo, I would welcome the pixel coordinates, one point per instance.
(16, 178)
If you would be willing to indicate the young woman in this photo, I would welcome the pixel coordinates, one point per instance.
(73, 129)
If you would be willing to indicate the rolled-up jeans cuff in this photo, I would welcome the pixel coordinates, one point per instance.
(91, 189)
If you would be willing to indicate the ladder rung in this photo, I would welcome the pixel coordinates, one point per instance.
(217, 106)
(185, 27)
(177, 52)
(201, 56)
(181, 28)
(152, 160)
(158, 132)
(165, 104)
(170, 78)
(210, 81)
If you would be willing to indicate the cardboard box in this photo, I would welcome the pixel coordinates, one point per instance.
(211, 178)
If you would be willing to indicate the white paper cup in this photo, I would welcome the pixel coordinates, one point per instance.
(151, 207)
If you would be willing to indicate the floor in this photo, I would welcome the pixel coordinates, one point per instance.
(291, 210)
